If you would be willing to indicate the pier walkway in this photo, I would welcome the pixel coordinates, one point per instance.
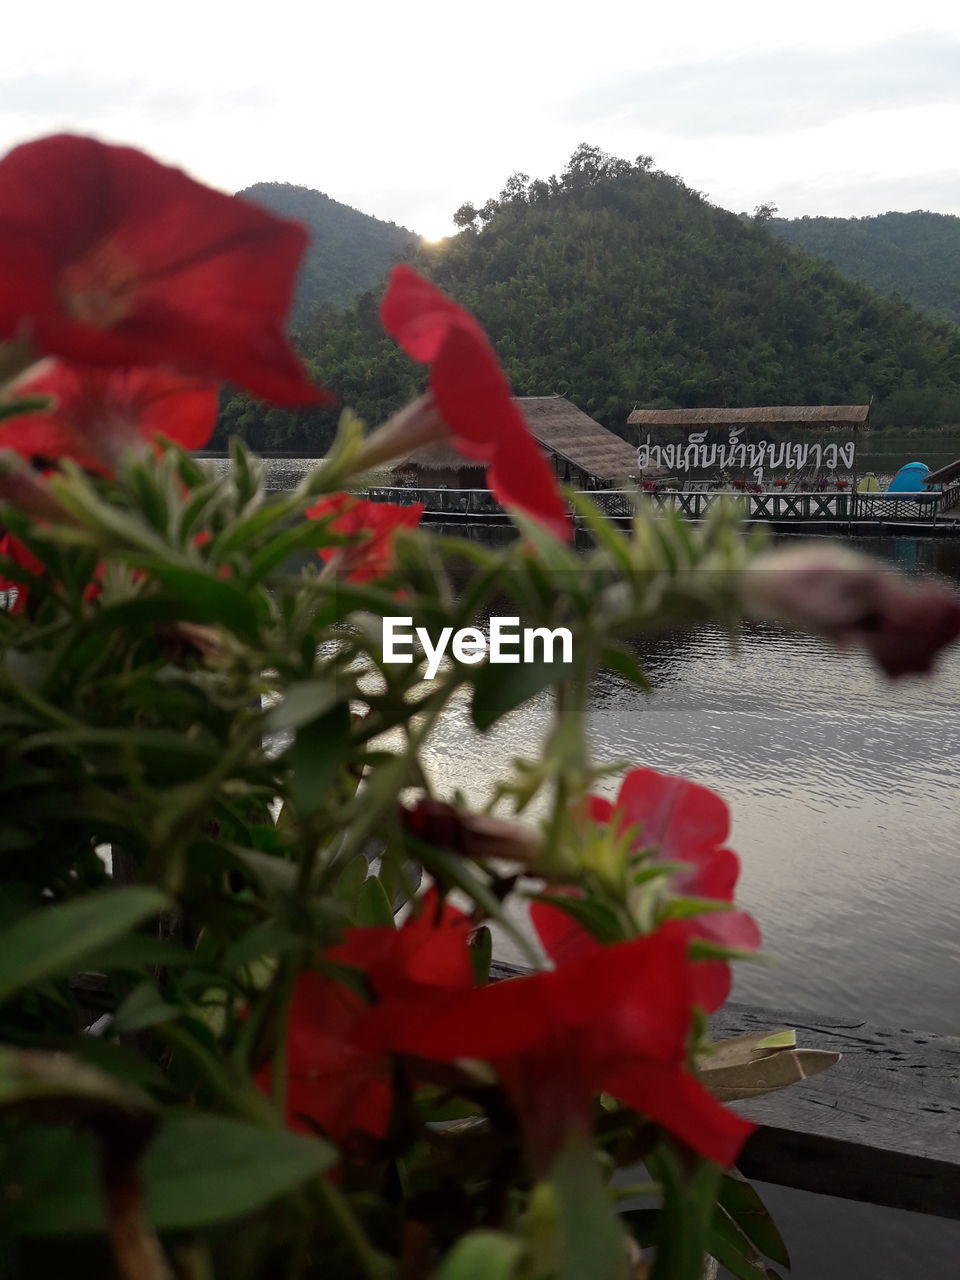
(827, 512)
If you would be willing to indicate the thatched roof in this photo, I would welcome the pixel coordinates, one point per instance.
(572, 434)
(561, 428)
(438, 457)
(809, 415)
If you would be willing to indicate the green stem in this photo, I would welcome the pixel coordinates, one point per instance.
(248, 1103)
(371, 1264)
(40, 705)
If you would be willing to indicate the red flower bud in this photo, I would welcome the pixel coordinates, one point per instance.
(853, 600)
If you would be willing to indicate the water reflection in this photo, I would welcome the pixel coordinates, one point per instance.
(842, 788)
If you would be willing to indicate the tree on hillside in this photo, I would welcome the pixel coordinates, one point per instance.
(619, 285)
(465, 216)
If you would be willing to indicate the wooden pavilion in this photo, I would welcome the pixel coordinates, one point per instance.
(581, 451)
(752, 443)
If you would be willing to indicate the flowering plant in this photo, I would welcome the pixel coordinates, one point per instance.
(223, 1053)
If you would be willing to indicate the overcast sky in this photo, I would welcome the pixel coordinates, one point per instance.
(408, 108)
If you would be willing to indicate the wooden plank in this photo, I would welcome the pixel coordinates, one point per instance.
(882, 1126)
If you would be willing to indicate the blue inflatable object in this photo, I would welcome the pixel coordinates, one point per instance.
(910, 478)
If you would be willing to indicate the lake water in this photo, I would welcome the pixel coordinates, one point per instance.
(845, 795)
(845, 792)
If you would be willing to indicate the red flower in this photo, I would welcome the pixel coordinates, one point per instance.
(333, 1080)
(98, 413)
(473, 396)
(429, 950)
(371, 524)
(14, 550)
(554, 1043)
(679, 821)
(332, 1083)
(109, 258)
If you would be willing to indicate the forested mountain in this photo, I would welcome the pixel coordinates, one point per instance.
(915, 255)
(349, 251)
(618, 285)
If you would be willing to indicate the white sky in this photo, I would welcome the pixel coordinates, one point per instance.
(408, 108)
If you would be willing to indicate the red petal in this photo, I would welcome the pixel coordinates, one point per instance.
(734, 929)
(520, 477)
(331, 1080)
(714, 874)
(98, 411)
(373, 524)
(429, 949)
(473, 396)
(673, 814)
(561, 936)
(676, 1099)
(109, 258)
(418, 316)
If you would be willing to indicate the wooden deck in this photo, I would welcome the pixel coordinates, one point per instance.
(827, 511)
(882, 1126)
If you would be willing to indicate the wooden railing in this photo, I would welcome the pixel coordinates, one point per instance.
(775, 506)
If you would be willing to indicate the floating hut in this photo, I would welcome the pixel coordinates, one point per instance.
(581, 451)
(754, 443)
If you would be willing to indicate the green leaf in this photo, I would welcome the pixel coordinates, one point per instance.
(138, 951)
(315, 757)
(683, 1227)
(596, 917)
(203, 1168)
(373, 905)
(25, 404)
(208, 598)
(734, 1051)
(731, 1248)
(481, 954)
(143, 1007)
(31, 1077)
(481, 1255)
(778, 1040)
(274, 875)
(350, 882)
(767, 1075)
(306, 536)
(304, 701)
(199, 1169)
(591, 1238)
(761, 1062)
(621, 659)
(56, 939)
(499, 687)
(740, 1200)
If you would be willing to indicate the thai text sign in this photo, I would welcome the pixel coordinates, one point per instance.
(696, 453)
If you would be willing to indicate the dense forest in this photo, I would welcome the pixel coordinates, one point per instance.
(914, 255)
(349, 251)
(616, 284)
